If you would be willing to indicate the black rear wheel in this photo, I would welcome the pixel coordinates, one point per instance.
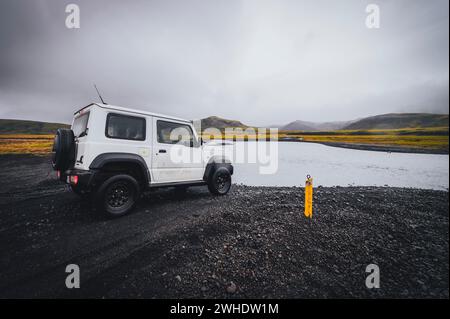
(220, 181)
(117, 196)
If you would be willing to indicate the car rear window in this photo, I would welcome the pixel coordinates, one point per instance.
(125, 127)
(80, 123)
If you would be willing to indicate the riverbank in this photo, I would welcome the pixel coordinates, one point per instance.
(252, 243)
(384, 148)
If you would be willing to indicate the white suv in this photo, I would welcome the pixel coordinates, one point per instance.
(112, 153)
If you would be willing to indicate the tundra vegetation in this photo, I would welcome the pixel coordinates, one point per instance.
(26, 143)
(432, 139)
(28, 137)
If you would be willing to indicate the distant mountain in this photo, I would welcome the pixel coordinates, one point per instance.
(384, 121)
(313, 126)
(28, 127)
(399, 120)
(220, 123)
(298, 126)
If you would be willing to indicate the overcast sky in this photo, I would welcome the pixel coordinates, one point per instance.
(262, 62)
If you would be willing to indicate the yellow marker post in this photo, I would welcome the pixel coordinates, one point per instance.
(308, 196)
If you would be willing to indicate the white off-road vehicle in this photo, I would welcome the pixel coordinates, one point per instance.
(111, 154)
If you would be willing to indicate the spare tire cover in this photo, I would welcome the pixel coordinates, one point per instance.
(63, 153)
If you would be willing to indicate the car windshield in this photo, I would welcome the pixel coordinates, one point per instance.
(79, 126)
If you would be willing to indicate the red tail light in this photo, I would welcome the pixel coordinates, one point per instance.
(58, 174)
(74, 179)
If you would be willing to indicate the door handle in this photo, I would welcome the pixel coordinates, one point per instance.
(162, 151)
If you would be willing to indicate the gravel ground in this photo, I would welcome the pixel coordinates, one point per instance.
(252, 243)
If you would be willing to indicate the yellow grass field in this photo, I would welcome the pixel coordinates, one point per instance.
(25, 144)
(433, 139)
(424, 142)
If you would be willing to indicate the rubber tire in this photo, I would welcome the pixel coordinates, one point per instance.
(63, 152)
(100, 197)
(212, 183)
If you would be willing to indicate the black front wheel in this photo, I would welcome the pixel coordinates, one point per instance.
(220, 181)
(117, 196)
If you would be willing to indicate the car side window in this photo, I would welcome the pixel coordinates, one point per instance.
(125, 127)
(174, 133)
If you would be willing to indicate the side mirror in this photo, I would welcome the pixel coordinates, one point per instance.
(197, 143)
(193, 143)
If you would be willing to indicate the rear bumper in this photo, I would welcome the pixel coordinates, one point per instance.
(83, 179)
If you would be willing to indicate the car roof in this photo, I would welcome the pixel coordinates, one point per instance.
(135, 111)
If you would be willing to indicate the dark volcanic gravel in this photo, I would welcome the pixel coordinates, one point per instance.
(254, 242)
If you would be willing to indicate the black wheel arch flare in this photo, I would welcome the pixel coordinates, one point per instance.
(109, 158)
(214, 163)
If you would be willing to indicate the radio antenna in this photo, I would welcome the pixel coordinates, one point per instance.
(99, 95)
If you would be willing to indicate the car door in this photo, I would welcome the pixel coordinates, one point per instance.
(176, 156)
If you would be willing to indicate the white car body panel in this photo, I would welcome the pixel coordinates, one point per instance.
(161, 168)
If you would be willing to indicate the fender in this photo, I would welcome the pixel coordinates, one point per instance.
(215, 162)
(106, 158)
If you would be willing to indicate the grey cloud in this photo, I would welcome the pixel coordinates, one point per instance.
(261, 62)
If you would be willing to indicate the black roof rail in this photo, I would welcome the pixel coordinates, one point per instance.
(83, 108)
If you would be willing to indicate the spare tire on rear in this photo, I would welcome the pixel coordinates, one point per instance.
(63, 153)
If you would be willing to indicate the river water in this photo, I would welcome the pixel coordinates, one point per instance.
(333, 166)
